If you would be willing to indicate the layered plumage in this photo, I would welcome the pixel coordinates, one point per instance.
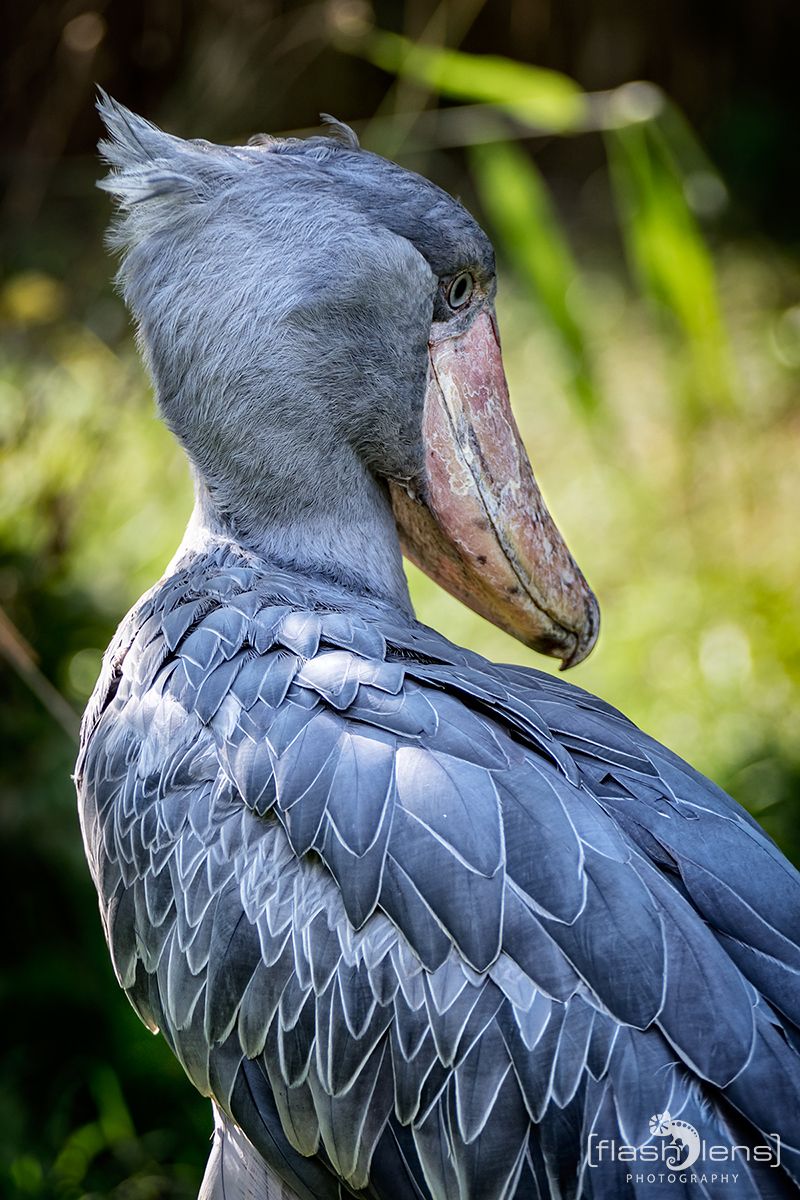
(421, 925)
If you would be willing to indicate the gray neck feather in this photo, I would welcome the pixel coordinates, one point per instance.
(347, 537)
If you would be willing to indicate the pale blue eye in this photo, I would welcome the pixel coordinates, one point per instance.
(460, 290)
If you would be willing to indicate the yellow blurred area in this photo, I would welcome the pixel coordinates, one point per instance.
(32, 298)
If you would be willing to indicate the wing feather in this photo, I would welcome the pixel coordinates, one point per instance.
(394, 905)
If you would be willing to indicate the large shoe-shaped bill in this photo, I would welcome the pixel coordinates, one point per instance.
(481, 528)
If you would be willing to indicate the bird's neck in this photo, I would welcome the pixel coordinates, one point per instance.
(331, 526)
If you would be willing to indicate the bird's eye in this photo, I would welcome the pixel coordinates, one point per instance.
(460, 290)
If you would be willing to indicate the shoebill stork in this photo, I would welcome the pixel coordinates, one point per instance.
(420, 925)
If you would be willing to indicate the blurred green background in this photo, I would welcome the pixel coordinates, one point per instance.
(637, 169)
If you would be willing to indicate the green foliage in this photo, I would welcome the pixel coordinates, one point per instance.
(77, 538)
(657, 171)
(542, 98)
(515, 199)
(669, 255)
(681, 509)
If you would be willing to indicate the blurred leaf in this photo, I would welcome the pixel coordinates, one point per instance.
(703, 185)
(516, 201)
(114, 1117)
(546, 99)
(669, 256)
(26, 1174)
(77, 1155)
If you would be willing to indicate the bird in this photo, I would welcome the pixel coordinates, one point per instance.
(421, 926)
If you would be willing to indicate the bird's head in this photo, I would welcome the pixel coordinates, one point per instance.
(312, 312)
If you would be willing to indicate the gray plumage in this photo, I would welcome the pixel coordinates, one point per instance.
(419, 924)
